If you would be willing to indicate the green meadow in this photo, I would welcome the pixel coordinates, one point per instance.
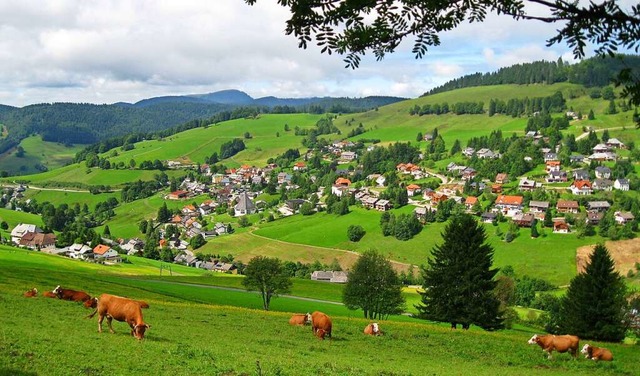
(202, 330)
(38, 152)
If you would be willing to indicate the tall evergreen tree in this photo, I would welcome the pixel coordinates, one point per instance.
(374, 287)
(458, 280)
(594, 306)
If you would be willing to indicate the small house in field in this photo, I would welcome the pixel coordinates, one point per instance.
(177, 195)
(413, 189)
(560, 227)
(329, 276)
(469, 202)
(244, 205)
(106, 253)
(21, 229)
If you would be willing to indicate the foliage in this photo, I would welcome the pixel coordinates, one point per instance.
(458, 279)
(355, 233)
(197, 241)
(231, 148)
(374, 287)
(266, 275)
(595, 303)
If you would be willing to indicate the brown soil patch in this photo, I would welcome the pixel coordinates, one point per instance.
(625, 254)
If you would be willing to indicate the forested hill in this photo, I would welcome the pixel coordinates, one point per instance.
(590, 72)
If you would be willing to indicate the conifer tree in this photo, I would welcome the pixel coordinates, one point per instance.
(594, 306)
(458, 280)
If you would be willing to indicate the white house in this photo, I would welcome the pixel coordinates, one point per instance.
(22, 228)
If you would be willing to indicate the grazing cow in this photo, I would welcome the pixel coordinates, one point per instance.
(49, 294)
(31, 293)
(561, 344)
(121, 309)
(597, 353)
(372, 329)
(320, 324)
(93, 303)
(73, 295)
(300, 319)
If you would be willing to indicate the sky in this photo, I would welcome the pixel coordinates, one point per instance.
(111, 51)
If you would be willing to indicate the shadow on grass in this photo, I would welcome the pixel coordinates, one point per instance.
(15, 372)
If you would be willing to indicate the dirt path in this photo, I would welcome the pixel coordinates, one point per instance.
(585, 134)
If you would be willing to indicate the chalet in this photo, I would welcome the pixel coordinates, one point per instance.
(488, 217)
(580, 174)
(487, 154)
(421, 213)
(524, 219)
(550, 157)
(437, 198)
(480, 186)
(383, 205)
(602, 156)
(552, 166)
(244, 205)
(508, 203)
(567, 206)
(560, 227)
(348, 156)
(370, 202)
(470, 201)
(468, 173)
(526, 185)
(601, 148)
(556, 177)
(294, 204)
(133, 246)
(428, 137)
(299, 166)
(220, 228)
(594, 218)
(623, 217)
(598, 206)
(341, 186)
(602, 185)
(496, 188)
(224, 267)
(603, 172)
(502, 178)
(105, 252)
(413, 189)
(615, 143)
(329, 276)
(186, 258)
(576, 158)
(80, 251)
(538, 206)
(38, 240)
(468, 152)
(621, 184)
(21, 229)
(581, 187)
(189, 210)
(177, 195)
(284, 178)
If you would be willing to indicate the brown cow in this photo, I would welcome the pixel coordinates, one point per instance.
(300, 319)
(93, 303)
(597, 353)
(49, 294)
(320, 324)
(561, 344)
(73, 295)
(31, 293)
(372, 329)
(121, 309)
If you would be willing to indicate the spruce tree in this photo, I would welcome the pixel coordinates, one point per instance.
(594, 306)
(458, 279)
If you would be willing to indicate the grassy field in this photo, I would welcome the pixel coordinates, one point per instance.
(38, 152)
(196, 330)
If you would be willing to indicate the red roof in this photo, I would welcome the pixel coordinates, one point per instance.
(509, 200)
(582, 183)
(299, 164)
(471, 200)
(101, 249)
(413, 187)
(343, 181)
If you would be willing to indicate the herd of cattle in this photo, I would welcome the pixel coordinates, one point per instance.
(130, 311)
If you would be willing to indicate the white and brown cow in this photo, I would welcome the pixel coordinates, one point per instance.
(597, 353)
(300, 319)
(31, 293)
(372, 329)
(121, 309)
(561, 344)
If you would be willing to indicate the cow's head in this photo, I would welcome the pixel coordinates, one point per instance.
(586, 350)
(533, 340)
(320, 333)
(57, 290)
(91, 303)
(307, 318)
(376, 329)
(139, 329)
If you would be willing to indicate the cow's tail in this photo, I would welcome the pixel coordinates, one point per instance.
(143, 304)
(92, 314)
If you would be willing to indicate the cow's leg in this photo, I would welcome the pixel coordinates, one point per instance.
(100, 318)
(109, 319)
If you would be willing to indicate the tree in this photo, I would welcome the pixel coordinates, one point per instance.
(106, 232)
(591, 115)
(355, 233)
(352, 28)
(164, 215)
(197, 241)
(374, 287)
(458, 280)
(268, 276)
(594, 306)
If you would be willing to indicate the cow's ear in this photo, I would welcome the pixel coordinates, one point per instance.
(148, 326)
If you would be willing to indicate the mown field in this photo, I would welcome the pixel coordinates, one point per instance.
(38, 152)
(193, 331)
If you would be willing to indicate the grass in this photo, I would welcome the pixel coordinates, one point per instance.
(194, 331)
(38, 152)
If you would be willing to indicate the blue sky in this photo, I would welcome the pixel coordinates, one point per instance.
(120, 50)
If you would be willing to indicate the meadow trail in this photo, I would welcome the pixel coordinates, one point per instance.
(585, 134)
(235, 289)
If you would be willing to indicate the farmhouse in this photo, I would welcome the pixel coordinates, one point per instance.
(523, 219)
(560, 227)
(177, 195)
(21, 229)
(527, 185)
(598, 206)
(603, 172)
(470, 201)
(38, 240)
(581, 187)
(567, 206)
(538, 206)
(329, 276)
(413, 189)
(623, 217)
(508, 204)
(341, 186)
(602, 185)
(105, 252)
(244, 206)
(502, 178)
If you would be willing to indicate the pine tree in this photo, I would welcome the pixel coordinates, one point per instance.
(458, 280)
(594, 306)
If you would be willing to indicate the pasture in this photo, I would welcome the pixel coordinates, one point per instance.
(196, 333)
(37, 152)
